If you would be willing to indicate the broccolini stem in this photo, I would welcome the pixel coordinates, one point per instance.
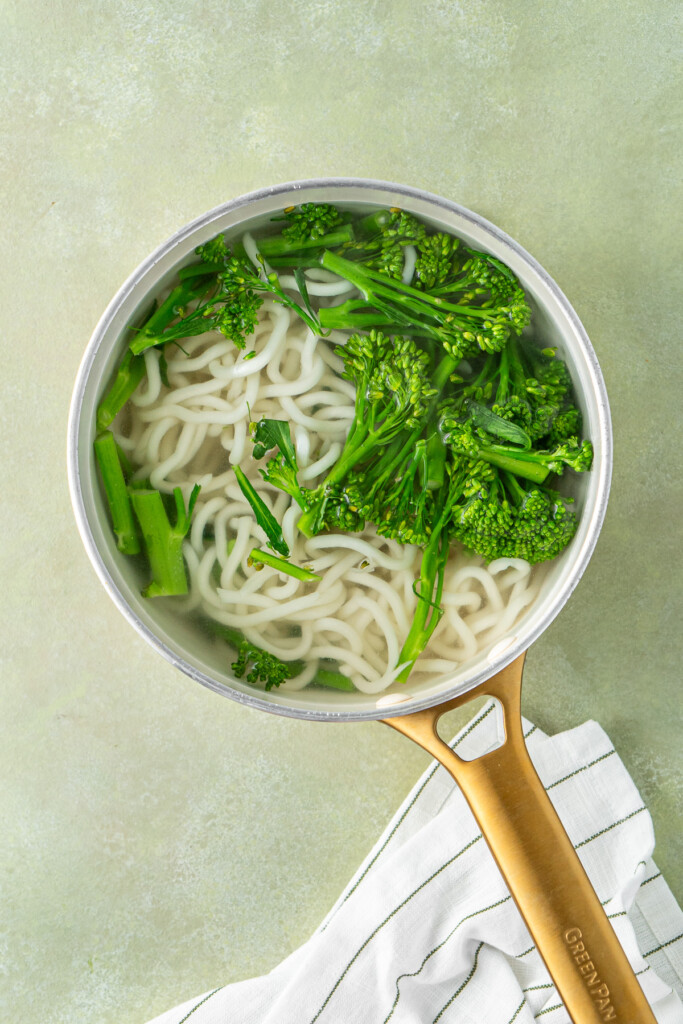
(153, 331)
(357, 450)
(374, 223)
(282, 565)
(396, 458)
(332, 680)
(364, 442)
(117, 494)
(129, 374)
(446, 367)
(163, 542)
(428, 611)
(278, 245)
(525, 464)
(304, 262)
(132, 368)
(373, 283)
(436, 462)
(373, 438)
(199, 270)
(430, 582)
(503, 373)
(231, 636)
(516, 366)
(307, 522)
(443, 371)
(346, 317)
(514, 488)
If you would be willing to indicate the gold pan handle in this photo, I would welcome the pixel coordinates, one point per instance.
(537, 860)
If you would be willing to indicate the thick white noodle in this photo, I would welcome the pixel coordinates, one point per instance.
(409, 261)
(320, 288)
(145, 395)
(359, 613)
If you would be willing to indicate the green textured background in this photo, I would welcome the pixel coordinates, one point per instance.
(157, 840)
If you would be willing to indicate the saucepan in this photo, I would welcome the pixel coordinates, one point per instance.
(526, 838)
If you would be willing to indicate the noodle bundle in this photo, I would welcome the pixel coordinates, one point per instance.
(195, 429)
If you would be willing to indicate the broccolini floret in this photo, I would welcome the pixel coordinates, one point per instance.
(532, 464)
(505, 520)
(268, 668)
(231, 305)
(262, 667)
(310, 221)
(533, 388)
(385, 228)
(308, 229)
(389, 261)
(566, 426)
(435, 260)
(393, 395)
(381, 239)
(334, 507)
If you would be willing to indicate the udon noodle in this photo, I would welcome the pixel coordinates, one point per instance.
(197, 428)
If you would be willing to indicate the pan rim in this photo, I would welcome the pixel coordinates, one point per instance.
(581, 556)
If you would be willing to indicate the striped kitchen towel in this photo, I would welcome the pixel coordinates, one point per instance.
(426, 930)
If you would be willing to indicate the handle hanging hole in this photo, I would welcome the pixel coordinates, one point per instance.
(483, 722)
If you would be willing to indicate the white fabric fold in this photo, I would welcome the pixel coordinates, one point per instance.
(426, 930)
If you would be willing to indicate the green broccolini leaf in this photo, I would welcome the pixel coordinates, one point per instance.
(156, 331)
(268, 434)
(487, 420)
(264, 517)
(284, 476)
(282, 470)
(302, 285)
